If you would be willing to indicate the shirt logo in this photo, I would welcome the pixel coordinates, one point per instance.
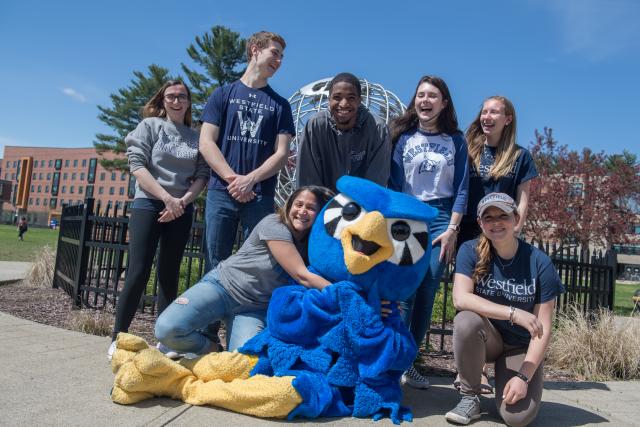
(247, 127)
(427, 166)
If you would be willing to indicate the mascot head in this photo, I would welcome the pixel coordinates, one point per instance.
(373, 236)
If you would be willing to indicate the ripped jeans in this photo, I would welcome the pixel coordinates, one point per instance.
(180, 326)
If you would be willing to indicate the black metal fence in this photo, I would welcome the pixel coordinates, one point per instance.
(91, 264)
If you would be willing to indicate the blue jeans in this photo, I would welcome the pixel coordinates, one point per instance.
(180, 327)
(222, 215)
(417, 309)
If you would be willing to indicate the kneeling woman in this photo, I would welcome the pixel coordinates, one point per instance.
(239, 288)
(505, 290)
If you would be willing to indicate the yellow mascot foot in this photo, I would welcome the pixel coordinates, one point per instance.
(149, 373)
(127, 346)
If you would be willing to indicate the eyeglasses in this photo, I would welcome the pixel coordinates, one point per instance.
(180, 97)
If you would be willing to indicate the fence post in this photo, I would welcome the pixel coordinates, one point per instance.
(83, 253)
(611, 261)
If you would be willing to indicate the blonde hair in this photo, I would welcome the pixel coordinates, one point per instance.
(262, 39)
(506, 152)
(155, 106)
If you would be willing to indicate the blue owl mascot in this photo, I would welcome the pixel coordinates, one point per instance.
(324, 353)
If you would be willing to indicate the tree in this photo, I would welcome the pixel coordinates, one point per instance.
(587, 198)
(125, 114)
(219, 53)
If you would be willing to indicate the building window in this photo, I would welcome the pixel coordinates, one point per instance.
(73, 176)
(91, 173)
(112, 191)
(33, 177)
(123, 176)
(71, 189)
(55, 183)
(15, 163)
(75, 163)
(64, 189)
(44, 202)
(66, 163)
(79, 189)
(102, 175)
(33, 188)
(121, 191)
(89, 190)
(65, 176)
(81, 176)
(100, 190)
(37, 202)
(51, 164)
(84, 163)
(40, 175)
(39, 188)
(30, 201)
(49, 176)
(53, 203)
(8, 164)
(41, 163)
(58, 164)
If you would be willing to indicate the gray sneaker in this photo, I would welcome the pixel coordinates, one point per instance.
(415, 379)
(468, 409)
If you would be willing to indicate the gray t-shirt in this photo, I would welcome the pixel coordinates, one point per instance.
(169, 151)
(251, 274)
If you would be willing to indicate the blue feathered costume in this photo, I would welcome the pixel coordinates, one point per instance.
(330, 349)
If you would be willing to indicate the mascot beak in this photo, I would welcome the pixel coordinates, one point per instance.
(366, 243)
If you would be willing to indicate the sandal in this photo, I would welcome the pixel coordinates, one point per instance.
(485, 386)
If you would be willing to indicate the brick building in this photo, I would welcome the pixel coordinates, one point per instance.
(44, 179)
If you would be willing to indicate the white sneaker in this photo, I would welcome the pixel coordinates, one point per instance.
(415, 379)
(112, 349)
(173, 354)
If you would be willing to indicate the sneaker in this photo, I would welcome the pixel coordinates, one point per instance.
(468, 409)
(111, 350)
(415, 379)
(172, 354)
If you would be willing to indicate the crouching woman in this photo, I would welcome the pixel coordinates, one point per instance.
(505, 291)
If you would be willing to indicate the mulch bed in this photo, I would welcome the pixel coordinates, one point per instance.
(54, 307)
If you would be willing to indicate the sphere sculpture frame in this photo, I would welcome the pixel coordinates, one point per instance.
(314, 97)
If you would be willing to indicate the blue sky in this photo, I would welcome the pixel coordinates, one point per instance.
(572, 65)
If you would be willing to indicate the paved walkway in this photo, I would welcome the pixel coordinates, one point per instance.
(52, 376)
(12, 271)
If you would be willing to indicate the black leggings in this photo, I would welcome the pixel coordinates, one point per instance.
(144, 234)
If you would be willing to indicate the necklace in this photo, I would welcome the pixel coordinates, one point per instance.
(515, 255)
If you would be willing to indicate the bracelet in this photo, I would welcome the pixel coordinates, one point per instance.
(454, 227)
(512, 311)
(522, 376)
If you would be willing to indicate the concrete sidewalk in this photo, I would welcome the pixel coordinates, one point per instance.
(52, 376)
(13, 271)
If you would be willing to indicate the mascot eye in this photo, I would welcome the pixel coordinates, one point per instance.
(400, 231)
(410, 240)
(351, 211)
(341, 212)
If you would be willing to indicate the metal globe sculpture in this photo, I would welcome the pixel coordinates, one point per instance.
(314, 97)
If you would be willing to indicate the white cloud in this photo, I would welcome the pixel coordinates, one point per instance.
(72, 93)
(598, 29)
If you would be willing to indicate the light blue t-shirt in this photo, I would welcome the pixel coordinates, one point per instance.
(529, 278)
(431, 166)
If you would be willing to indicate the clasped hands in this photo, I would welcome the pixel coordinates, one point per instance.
(240, 187)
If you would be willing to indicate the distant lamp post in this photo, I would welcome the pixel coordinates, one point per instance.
(314, 97)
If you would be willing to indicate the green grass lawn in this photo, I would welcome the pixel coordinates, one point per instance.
(623, 305)
(35, 238)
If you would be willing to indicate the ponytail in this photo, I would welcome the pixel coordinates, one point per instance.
(483, 252)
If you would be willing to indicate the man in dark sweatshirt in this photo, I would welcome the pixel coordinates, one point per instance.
(346, 139)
